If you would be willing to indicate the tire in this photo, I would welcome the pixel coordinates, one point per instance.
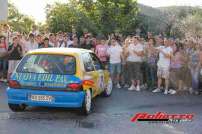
(16, 107)
(108, 90)
(87, 103)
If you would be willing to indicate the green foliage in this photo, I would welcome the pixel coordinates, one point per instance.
(165, 20)
(18, 21)
(96, 16)
(182, 20)
(117, 16)
(151, 19)
(189, 26)
(61, 17)
(103, 17)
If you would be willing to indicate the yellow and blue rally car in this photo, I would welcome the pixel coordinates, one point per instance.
(58, 77)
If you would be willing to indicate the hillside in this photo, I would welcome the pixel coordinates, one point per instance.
(150, 11)
(153, 18)
(157, 19)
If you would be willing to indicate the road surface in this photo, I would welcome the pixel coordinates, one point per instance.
(110, 116)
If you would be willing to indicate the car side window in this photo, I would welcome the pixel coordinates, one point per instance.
(97, 63)
(87, 61)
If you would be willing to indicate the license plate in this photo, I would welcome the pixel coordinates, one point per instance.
(45, 98)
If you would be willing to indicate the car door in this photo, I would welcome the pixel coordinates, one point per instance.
(90, 73)
(99, 72)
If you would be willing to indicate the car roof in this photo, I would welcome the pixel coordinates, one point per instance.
(59, 51)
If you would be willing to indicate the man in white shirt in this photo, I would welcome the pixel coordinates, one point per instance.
(115, 56)
(165, 53)
(31, 44)
(134, 62)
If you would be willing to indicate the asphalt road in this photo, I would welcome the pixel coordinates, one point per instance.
(110, 116)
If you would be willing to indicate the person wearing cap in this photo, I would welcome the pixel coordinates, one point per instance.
(163, 64)
(115, 55)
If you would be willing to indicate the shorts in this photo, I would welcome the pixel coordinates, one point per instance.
(115, 68)
(163, 73)
(134, 70)
(12, 65)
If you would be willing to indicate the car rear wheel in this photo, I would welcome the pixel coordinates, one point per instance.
(17, 107)
(108, 90)
(87, 104)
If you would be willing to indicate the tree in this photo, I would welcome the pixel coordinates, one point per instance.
(189, 26)
(60, 17)
(175, 15)
(117, 15)
(18, 21)
(97, 16)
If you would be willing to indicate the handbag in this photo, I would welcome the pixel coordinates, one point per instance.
(3, 54)
(3, 51)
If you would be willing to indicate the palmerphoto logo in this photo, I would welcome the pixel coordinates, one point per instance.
(162, 117)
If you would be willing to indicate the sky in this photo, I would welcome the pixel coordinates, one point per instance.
(36, 8)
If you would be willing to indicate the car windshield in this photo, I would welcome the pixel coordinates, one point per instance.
(46, 63)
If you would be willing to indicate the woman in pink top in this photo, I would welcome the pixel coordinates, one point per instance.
(101, 50)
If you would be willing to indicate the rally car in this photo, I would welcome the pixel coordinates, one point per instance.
(58, 77)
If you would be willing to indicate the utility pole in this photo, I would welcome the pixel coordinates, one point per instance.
(3, 11)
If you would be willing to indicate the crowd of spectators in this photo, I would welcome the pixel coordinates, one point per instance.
(156, 63)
